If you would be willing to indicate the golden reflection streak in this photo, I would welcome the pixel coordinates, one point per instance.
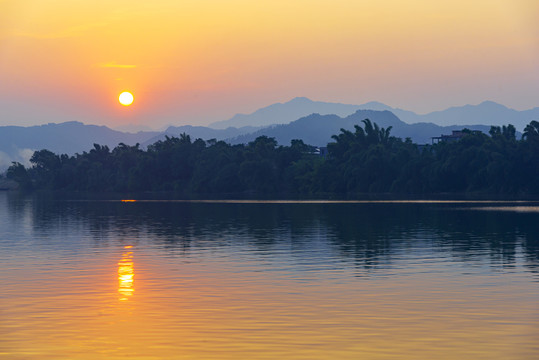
(126, 275)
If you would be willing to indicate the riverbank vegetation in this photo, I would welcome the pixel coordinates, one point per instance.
(367, 160)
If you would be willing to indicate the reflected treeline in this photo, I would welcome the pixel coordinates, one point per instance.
(373, 233)
(369, 234)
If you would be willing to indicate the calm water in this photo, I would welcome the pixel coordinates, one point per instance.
(172, 280)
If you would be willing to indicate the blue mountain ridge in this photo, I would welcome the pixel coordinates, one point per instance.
(487, 113)
(17, 143)
(317, 129)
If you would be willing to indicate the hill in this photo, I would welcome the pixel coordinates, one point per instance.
(315, 124)
(17, 143)
(317, 129)
(485, 113)
(201, 132)
(284, 113)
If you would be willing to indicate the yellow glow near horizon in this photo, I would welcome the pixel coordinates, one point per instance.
(126, 98)
(209, 59)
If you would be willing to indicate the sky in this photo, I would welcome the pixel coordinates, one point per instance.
(200, 61)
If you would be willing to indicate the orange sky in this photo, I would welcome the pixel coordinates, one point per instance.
(201, 61)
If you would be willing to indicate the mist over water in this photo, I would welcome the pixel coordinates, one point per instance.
(106, 279)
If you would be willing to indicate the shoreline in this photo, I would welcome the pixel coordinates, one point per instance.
(276, 198)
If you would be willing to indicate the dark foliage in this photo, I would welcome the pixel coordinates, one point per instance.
(368, 160)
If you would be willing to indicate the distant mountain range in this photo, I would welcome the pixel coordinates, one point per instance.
(317, 129)
(284, 113)
(201, 132)
(486, 113)
(300, 118)
(17, 143)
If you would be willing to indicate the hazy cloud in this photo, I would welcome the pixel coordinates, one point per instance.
(5, 161)
(73, 31)
(24, 156)
(113, 64)
(21, 155)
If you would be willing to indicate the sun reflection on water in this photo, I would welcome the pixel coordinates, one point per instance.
(126, 275)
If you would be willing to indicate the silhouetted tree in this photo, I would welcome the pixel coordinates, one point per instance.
(366, 160)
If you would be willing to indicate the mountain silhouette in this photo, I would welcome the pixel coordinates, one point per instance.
(485, 113)
(317, 129)
(300, 118)
(17, 143)
(202, 132)
(284, 113)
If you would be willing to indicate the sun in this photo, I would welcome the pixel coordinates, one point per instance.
(126, 98)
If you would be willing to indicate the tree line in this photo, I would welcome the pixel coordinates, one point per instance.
(365, 160)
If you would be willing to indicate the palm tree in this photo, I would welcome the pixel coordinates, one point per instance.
(531, 131)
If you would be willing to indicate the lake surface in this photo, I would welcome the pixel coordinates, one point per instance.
(258, 280)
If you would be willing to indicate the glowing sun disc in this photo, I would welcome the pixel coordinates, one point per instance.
(126, 98)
